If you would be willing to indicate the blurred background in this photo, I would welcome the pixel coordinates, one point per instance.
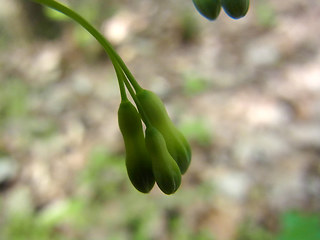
(246, 93)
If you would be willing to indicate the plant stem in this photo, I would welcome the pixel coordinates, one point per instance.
(134, 97)
(121, 77)
(96, 34)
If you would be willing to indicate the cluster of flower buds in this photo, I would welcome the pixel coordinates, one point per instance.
(163, 154)
(160, 155)
(210, 9)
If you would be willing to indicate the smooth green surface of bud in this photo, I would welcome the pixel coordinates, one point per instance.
(165, 169)
(235, 8)
(177, 144)
(210, 9)
(138, 161)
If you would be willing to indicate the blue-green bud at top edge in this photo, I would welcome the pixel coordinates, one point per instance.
(165, 168)
(177, 144)
(210, 9)
(235, 8)
(138, 161)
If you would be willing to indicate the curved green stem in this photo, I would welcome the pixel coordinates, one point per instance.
(96, 34)
(135, 99)
(121, 77)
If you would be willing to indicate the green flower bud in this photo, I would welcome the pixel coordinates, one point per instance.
(236, 8)
(177, 144)
(165, 169)
(210, 9)
(138, 161)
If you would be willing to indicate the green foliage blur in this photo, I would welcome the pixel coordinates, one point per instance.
(108, 192)
(299, 225)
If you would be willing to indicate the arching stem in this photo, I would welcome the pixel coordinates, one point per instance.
(96, 34)
(123, 79)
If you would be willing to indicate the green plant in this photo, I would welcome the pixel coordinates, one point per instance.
(293, 225)
(210, 9)
(165, 169)
(138, 161)
(157, 115)
(298, 225)
(179, 146)
(235, 8)
(164, 138)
